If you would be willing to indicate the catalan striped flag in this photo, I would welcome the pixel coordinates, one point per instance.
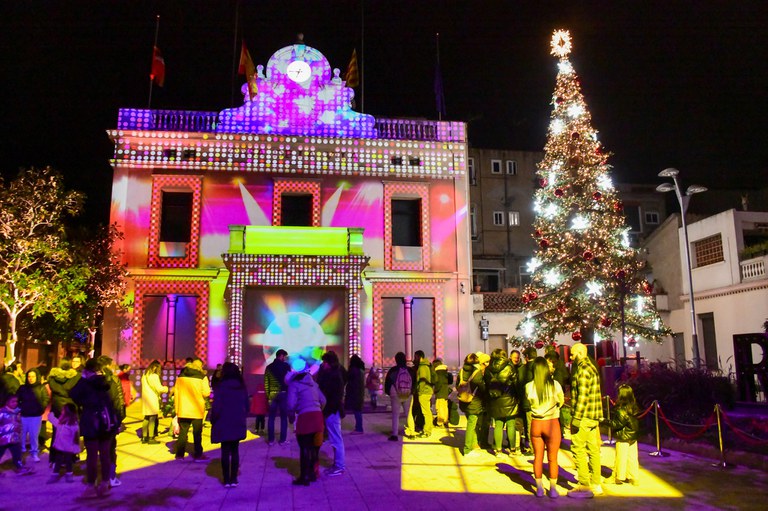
(248, 69)
(352, 76)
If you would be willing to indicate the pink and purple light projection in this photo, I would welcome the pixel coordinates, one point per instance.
(298, 99)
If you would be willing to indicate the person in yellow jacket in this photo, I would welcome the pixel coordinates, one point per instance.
(190, 392)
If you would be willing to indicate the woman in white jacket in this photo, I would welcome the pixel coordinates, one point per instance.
(151, 390)
(306, 400)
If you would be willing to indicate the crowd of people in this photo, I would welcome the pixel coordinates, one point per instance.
(522, 395)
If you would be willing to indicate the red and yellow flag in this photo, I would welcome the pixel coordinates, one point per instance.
(248, 69)
(352, 76)
(157, 74)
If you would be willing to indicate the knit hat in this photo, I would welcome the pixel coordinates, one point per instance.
(483, 358)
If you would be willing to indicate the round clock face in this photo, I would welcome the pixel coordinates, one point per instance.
(298, 71)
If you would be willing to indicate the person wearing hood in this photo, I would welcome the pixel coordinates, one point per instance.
(422, 393)
(443, 382)
(501, 387)
(33, 399)
(305, 399)
(228, 420)
(472, 372)
(190, 392)
(61, 380)
(98, 425)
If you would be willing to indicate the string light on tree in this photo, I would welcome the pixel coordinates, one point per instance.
(585, 271)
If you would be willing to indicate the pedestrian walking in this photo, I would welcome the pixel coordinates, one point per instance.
(10, 432)
(443, 382)
(305, 399)
(330, 379)
(626, 429)
(423, 390)
(191, 391)
(354, 394)
(67, 443)
(503, 403)
(276, 389)
(471, 393)
(545, 396)
(398, 385)
(151, 391)
(373, 384)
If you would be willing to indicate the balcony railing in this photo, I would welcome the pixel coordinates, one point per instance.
(207, 122)
(499, 302)
(753, 269)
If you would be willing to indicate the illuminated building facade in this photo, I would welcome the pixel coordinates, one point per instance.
(290, 222)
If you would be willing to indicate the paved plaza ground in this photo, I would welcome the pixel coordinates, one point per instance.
(381, 475)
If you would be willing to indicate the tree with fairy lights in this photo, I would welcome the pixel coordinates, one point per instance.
(586, 279)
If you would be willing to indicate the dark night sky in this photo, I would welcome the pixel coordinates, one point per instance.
(668, 83)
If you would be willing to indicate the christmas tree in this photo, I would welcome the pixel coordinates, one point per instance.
(586, 279)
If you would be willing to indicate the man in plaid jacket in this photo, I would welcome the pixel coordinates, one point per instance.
(587, 403)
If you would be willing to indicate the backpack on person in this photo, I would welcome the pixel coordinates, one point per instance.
(403, 383)
(464, 392)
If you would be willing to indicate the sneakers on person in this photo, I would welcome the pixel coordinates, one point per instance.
(22, 471)
(152, 441)
(581, 492)
(234, 484)
(355, 432)
(102, 490)
(392, 438)
(179, 458)
(270, 442)
(202, 459)
(282, 442)
(89, 492)
(553, 493)
(227, 485)
(598, 490)
(114, 482)
(334, 471)
(35, 457)
(53, 479)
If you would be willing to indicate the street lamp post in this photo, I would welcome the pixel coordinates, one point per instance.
(683, 201)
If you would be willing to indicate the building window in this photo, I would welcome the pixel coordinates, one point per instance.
(473, 222)
(296, 209)
(406, 222)
(651, 217)
(632, 215)
(176, 217)
(495, 166)
(514, 218)
(708, 250)
(472, 171)
(498, 218)
(511, 168)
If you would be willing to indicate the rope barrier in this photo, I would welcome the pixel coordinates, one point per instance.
(742, 434)
(647, 411)
(697, 434)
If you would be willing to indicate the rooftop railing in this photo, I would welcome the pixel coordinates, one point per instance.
(207, 122)
(753, 269)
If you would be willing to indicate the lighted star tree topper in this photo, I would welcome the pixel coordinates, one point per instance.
(586, 279)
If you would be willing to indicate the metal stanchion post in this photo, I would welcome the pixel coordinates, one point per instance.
(608, 416)
(722, 463)
(658, 452)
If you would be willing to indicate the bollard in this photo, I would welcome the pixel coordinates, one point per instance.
(658, 452)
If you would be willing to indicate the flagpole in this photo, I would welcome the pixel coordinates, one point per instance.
(362, 56)
(152, 63)
(437, 45)
(234, 56)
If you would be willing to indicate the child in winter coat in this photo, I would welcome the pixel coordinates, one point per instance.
(626, 429)
(443, 382)
(10, 432)
(373, 384)
(66, 443)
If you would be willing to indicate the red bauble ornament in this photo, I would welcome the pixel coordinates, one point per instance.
(559, 100)
(631, 342)
(543, 182)
(621, 274)
(575, 135)
(538, 344)
(576, 336)
(618, 206)
(647, 287)
(606, 322)
(533, 295)
(588, 255)
(559, 192)
(597, 195)
(561, 307)
(526, 299)
(544, 243)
